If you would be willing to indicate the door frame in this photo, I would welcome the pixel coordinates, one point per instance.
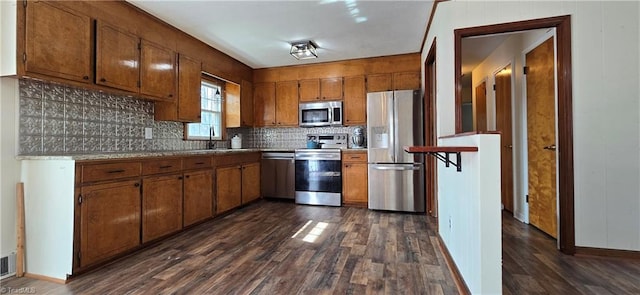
(430, 124)
(564, 124)
(512, 66)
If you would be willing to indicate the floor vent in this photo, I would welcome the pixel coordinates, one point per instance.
(8, 265)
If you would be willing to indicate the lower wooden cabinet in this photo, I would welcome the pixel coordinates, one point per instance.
(161, 206)
(250, 182)
(354, 178)
(228, 188)
(198, 196)
(109, 220)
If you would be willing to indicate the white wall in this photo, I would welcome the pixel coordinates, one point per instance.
(469, 212)
(9, 167)
(8, 31)
(606, 104)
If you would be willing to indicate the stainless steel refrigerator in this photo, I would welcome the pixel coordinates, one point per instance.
(396, 178)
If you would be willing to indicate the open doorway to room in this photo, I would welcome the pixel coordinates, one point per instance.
(497, 117)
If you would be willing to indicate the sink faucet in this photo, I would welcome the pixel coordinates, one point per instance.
(211, 144)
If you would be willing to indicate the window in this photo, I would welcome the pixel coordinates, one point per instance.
(211, 120)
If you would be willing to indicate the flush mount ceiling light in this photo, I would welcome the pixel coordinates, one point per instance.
(303, 50)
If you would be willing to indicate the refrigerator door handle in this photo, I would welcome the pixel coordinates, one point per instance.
(392, 127)
(396, 167)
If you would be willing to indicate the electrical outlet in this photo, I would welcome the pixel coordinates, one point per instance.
(148, 133)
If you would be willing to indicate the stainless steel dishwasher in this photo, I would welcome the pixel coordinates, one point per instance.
(278, 175)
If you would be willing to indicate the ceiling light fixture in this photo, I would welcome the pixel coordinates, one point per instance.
(303, 50)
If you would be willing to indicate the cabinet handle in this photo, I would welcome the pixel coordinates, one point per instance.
(103, 80)
(165, 167)
(179, 177)
(115, 171)
(186, 176)
(136, 184)
(85, 77)
(199, 163)
(170, 95)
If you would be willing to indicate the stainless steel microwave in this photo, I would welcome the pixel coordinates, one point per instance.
(317, 114)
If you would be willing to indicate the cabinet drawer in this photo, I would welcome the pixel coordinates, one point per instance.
(161, 166)
(358, 157)
(110, 171)
(196, 162)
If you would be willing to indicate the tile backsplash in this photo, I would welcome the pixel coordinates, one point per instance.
(60, 119)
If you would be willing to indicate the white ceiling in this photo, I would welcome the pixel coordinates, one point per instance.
(259, 33)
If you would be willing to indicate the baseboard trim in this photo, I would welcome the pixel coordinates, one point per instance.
(455, 272)
(589, 251)
(45, 278)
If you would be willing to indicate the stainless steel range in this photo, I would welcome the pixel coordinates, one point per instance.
(319, 171)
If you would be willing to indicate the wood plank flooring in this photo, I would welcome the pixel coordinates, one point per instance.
(532, 265)
(279, 248)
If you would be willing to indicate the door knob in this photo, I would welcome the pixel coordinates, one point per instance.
(550, 147)
(509, 146)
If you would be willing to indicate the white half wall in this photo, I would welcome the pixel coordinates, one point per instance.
(469, 219)
(606, 103)
(9, 166)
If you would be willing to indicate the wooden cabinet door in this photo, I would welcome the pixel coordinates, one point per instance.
(161, 206)
(228, 188)
(406, 81)
(287, 103)
(379, 82)
(354, 183)
(117, 57)
(246, 104)
(58, 42)
(198, 194)
(189, 72)
(157, 71)
(250, 182)
(309, 90)
(355, 101)
(331, 88)
(109, 220)
(264, 100)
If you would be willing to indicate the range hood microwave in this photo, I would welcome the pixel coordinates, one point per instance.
(318, 114)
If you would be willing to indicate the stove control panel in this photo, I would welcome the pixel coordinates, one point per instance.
(335, 141)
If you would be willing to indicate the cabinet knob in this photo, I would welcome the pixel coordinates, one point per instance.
(103, 80)
(136, 184)
(85, 77)
(170, 95)
(186, 176)
(179, 177)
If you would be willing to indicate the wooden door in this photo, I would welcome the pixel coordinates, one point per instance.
(232, 105)
(157, 71)
(406, 81)
(198, 194)
(109, 220)
(541, 138)
(161, 206)
(117, 58)
(228, 188)
(287, 103)
(246, 104)
(331, 88)
(58, 42)
(503, 124)
(355, 185)
(379, 82)
(264, 101)
(189, 84)
(481, 107)
(309, 90)
(355, 101)
(250, 182)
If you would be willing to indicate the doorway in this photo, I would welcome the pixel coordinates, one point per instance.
(502, 88)
(564, 126)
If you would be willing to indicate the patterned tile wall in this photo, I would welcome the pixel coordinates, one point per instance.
(59, 119)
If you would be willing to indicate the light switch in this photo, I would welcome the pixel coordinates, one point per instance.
(148, 133)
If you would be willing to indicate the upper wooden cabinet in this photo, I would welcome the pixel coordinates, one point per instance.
(117, 58)
(239, 104)
(58, 42)
(187, 108)
(379, 82)
(355, 101)
(157, 71)
(264, 100)
(406, 81)
(246, 104)
(287, 103)
(320, 89)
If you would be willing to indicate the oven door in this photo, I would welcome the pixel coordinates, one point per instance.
(319, 176)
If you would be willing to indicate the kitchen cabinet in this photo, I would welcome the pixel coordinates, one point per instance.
(109, 220)
(264, 99)
(250, 182)
(320, 89)
(161, 206)
(198, 196)
(406, 81)
(354, 178)
(47, 24)
(228, 188)
(287, 103)
(239, 105)
(157, 71)
(355, 101)
(187, 107)
(117, 56)
(237, 180)
(379, 82)
(246, 104)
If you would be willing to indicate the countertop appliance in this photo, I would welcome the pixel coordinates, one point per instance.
(278, 175)
(358, 139)
(318, 172)
(396, 178)
(318, 114)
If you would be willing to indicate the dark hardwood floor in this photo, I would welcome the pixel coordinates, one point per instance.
(532, 265)
(278, 248)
